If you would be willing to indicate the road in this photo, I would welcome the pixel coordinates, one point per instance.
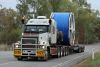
(7, 59)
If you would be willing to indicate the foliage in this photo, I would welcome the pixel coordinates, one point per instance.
(9, 29)
(87, 20)
(91, 63)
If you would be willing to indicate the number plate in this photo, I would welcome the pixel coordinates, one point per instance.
(40, 53)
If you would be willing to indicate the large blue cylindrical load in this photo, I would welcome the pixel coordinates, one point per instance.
(65, 23)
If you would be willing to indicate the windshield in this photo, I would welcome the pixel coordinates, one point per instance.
(36, 29)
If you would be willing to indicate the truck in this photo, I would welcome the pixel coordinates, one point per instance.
(44, 38)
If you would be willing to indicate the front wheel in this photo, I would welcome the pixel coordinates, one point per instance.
(46, 57)
(19, 58)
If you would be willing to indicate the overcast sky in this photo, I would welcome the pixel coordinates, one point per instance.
(95, 4)
(8, 3)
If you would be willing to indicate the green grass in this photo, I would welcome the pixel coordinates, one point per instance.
(91, 63)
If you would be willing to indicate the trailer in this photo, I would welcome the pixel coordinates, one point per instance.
(44, 38)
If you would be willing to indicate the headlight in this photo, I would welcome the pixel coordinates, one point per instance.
(43, 47)
(17, 45)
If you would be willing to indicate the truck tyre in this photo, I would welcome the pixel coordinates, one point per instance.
(43, 58)
(46, 56)
(59, 52)
(19, 58)
(79, 50)
(48, 50)
(66, 51)
(63, 51)
(70, 50)
(83, 49)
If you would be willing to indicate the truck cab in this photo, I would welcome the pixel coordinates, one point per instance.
(38, 34)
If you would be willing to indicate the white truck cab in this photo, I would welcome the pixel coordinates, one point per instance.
(37, 36)
(43, 29)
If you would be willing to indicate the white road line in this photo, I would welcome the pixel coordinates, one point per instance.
(8, 63)
(68, 61)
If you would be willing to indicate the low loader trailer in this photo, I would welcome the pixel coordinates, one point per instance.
(44, 38)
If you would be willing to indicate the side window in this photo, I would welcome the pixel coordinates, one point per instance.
(53, 30)
(49, 28)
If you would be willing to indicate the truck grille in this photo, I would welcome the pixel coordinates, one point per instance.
(28, 46)
(32, 46)
(29, 40)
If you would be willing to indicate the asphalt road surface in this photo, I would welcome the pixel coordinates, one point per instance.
(7, 59)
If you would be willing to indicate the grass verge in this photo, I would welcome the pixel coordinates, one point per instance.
(90, 63)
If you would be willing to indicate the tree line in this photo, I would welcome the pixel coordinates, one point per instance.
(87, 19)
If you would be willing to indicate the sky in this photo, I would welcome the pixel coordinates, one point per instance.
(95, 4)
(9, 3)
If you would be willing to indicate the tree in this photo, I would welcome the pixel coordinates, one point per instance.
(9, 32)
(22, 8)
(55, 5)
(86, 19)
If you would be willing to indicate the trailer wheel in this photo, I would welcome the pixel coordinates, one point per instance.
(58, 52)
(79, 50)
(66, 51)
(70, 50)
(61, 51)
(83, 49)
